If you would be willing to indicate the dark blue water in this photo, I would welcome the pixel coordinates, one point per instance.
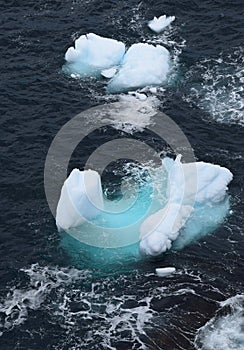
(46, 301)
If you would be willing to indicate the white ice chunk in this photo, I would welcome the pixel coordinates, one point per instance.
(81, 199)
(164, 271)
(143, 65)
(200, 181)
(159, 230)
(157, 25)
(109, 73)
(75, 75)
(188, 184)
(138, 95)
(153, 90)
(92, 54)
(197, 203)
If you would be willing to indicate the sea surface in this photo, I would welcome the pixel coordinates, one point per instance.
(48, 300)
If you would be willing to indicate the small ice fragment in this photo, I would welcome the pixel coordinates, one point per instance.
(139, 96)
(142, 97)
(153, 90)
(75, 76)
(157, 25)
(165, 271)
(161, 89)
(109, 73)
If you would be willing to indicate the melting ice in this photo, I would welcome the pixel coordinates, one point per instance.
(157, 25)
(193, 189)
(92, 54)
(141, 65)
(195, 204)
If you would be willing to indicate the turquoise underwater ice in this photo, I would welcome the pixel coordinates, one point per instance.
(204, 219)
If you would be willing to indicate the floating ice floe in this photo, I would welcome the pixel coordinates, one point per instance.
(196, 204)
(92, 54)
(157, 25)
(143, 65)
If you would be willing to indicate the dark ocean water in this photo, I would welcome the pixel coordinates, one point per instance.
(46, 301)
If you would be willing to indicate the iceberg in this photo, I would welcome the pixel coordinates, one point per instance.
(210, 181)
(140, 66)
(91, 218)
(81, 199)
(143, 65)
(157, 25)
(189, 211)
(186, 199)
(92, 54)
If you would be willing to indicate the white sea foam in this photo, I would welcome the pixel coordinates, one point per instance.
(134, 113)
(20, 301)
(225, 330)
(110, 316)
(216, 86)
(91, 309)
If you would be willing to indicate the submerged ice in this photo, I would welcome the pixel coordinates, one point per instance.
(195, 204)
(100, 222)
